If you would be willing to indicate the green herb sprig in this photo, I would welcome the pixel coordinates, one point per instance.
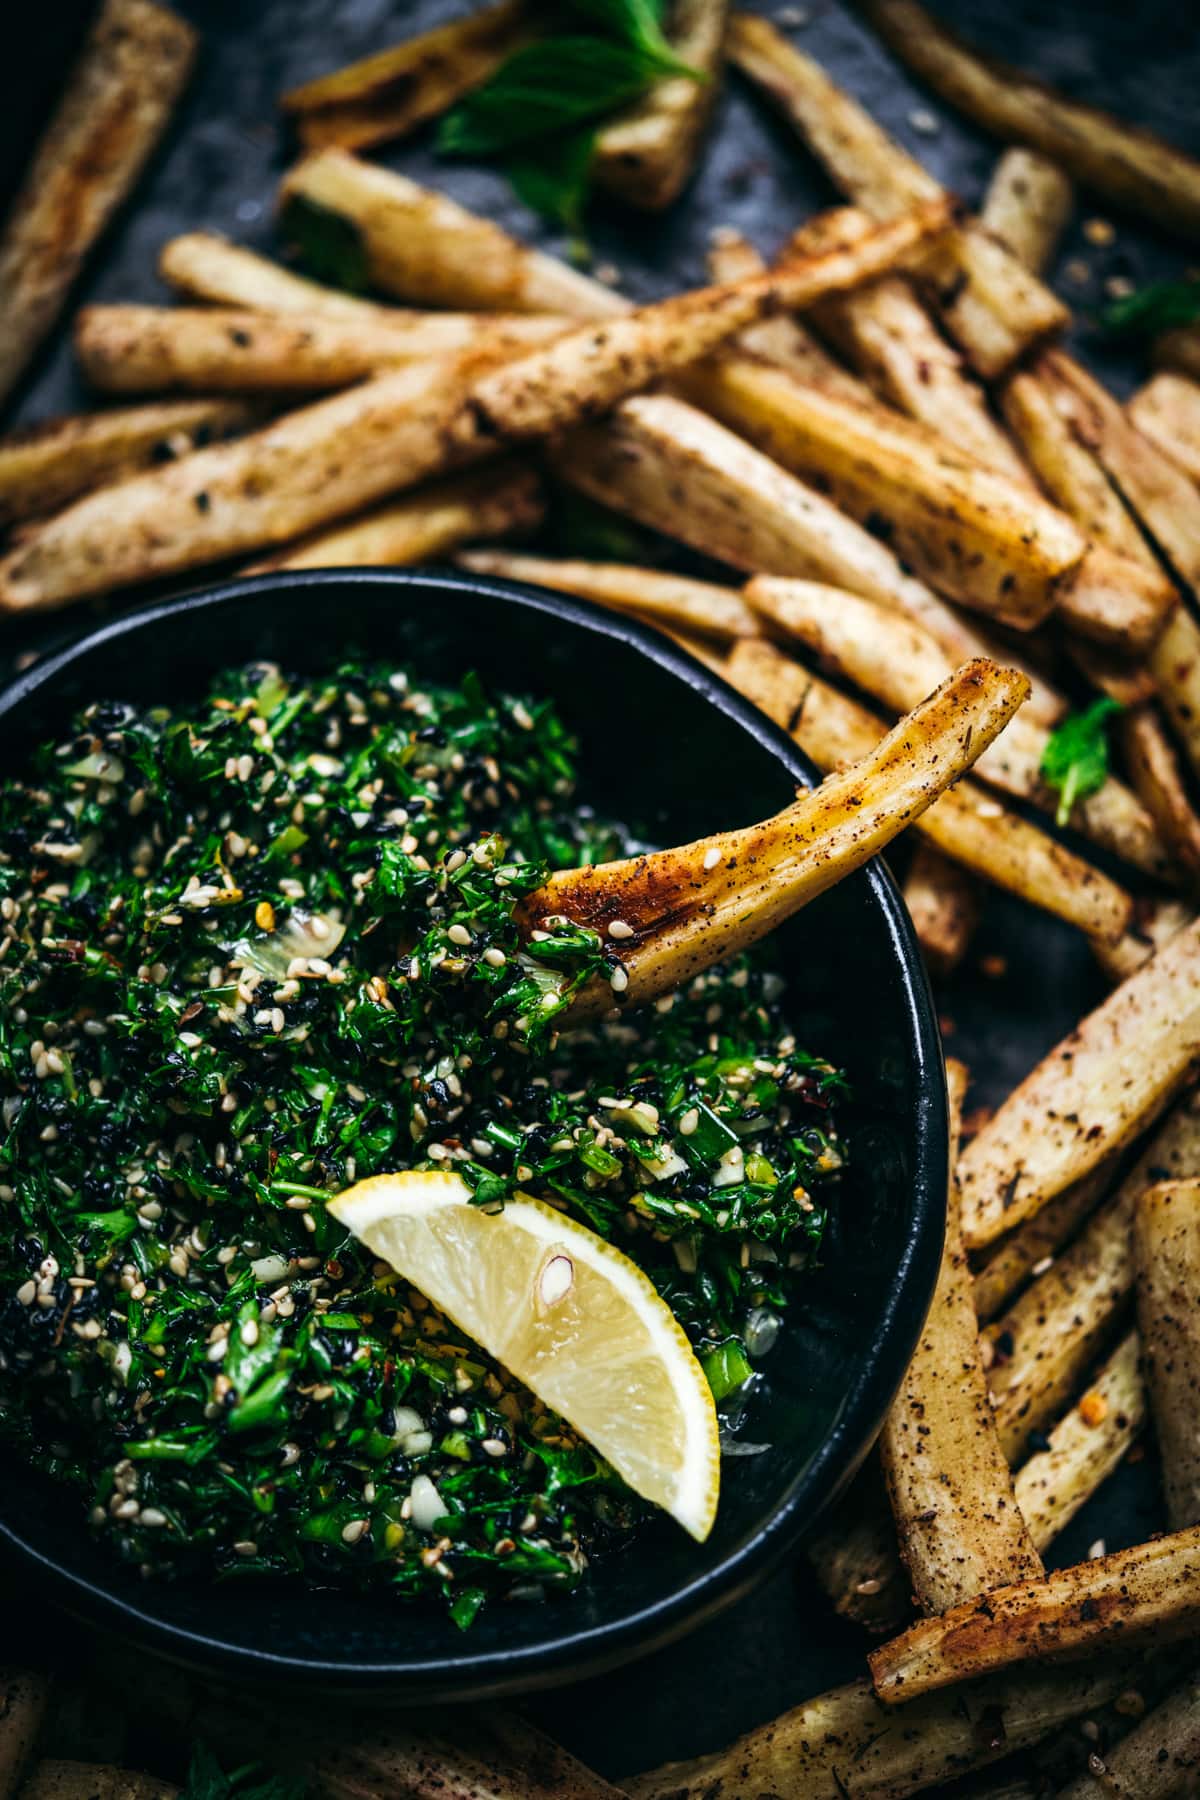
(1075, 760)
(1162, 306)
(542, 108)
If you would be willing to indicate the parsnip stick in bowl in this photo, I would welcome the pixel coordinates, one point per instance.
(1030, 1250)
(118, 101)
(647, 153)
(656, 595)
(24, 1697)
(1027, 205)
(966, 822)
(1149, 1594)
(943, 903)
(1159, 782)
(672, 913)
(785, 341)
(202, 266)
(1091, 1095)
(1167, 411)
(1166, 1238)
(673, 467)
(961, 1531)
(1155, 923)
(1178, 349)
(1157, 1760)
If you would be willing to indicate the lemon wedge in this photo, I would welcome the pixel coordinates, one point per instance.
(567, 1314)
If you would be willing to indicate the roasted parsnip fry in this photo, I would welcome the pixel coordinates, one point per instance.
(55, 1779)
(1030, 1250)
(856, 1560)
(1027, 205)
(1085, 1447)
(785, 341)
(1167, 411)
(23, 1700)
(422, 246)
(1158, 1759)
(206, 267)
(1116, 603)
(1133, 168)
(943, 903)
(896, 661)
(961, 1531)
(1158, 780)
(966, 823)
(116, 105)
(1178, 349)
(972, 533)
(388, 95)
(1148, 1594)
(1155, 922)
(156, 349)
(1105, 1082)
(647, 153)
(679, 911)
(425, 524)
(674, 601)
(885, 332)
(673, 467)
(43, 466)
(847, 1743)
(993, 307)
(339, 455)
(1166, 1239)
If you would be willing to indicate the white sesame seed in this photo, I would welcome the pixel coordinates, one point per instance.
(689, 1121)
(354, 1530)
(618, 981)
(619, 929)
(245, 1547)
(26, 1292)
(712, 858)
(249, 1333)
(458, 934)
(153, 1518)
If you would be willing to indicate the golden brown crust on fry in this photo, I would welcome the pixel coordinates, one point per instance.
(1166, 1242)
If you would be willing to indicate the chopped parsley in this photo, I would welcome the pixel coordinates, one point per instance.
(1075, 760)
(262, 947)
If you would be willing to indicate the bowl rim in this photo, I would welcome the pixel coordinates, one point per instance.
(570, 1653)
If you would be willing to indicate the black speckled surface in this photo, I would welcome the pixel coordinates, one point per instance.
(219, 170)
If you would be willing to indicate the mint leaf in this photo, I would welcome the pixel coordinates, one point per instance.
(638, 23)
(552, 178)
(331, 247)
(1075, 760)
(1160, 307)
(547, 87)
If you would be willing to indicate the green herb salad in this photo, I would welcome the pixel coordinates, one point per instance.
(257, 949)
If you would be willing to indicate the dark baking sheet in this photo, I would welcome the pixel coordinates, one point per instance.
(219, 171)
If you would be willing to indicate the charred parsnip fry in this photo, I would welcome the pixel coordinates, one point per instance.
(1044, 1344)
(1167, 411)
(856, 1560)
(943, 903)
(206, 267)
(1148, 1594)
(965, 823)
(23, 1700)
(783, 341)
(388, 95)
(1027, 205)
(885, 332)
(340, 455)
(647, 153)
(970, 532)
(895, 661)
(1085, 1447)
(674, 601)
(43, 466)
(117, 103)
(1132, 168)
(1166, 1238)
(422, 246)
(993, 307)
(1179, 349)
(673, 467)
(847, 1743)
(961, 1532)
(1158, 779)
(54, 1779)
(157, 349)
(682, 910)
(486, 502)
(1155, 923)
(1030, 1250)
(1105, 1082)
(1158, 1759)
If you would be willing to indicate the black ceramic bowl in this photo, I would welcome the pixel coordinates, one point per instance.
(669, 747)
